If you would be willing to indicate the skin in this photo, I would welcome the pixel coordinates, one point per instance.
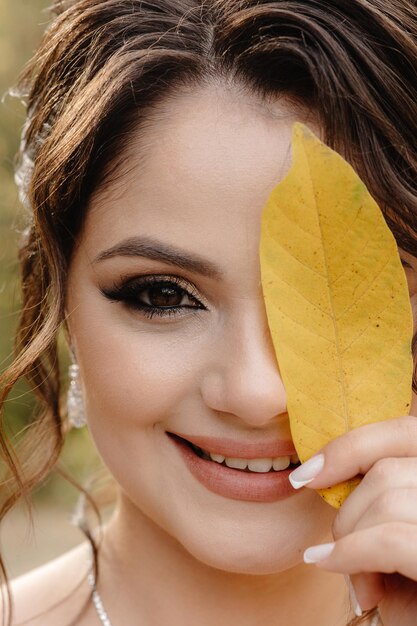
(180, 554)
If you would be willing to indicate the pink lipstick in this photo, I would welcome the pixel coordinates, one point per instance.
(235, 483)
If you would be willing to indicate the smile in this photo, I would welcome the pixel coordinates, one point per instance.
(260, 465)
(264, 484)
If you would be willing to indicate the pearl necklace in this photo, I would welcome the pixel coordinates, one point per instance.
(104, 618)
(97, 601)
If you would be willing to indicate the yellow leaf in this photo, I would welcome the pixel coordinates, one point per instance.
(337, 302)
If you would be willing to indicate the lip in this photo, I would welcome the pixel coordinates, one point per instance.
(233, 483)
(241, 450)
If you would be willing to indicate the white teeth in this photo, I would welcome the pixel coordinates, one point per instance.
(217, 457)
(260, 465)
(281, 462)
(237, 463)
(255, 465)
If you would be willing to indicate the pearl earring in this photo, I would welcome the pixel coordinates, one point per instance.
(75, 403)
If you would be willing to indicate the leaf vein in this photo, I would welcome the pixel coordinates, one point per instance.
(349, 265)
(292, 221)
(372, 365)
(367, 327)
(315, 333)
(332, 308)
(275, 242)
(303, 296)
(371, 284)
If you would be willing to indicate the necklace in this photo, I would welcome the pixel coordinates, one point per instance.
(104, 618)
(97, 601)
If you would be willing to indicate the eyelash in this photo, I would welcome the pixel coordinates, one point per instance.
(129, 291)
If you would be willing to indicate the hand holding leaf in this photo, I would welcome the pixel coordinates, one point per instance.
(337, 302)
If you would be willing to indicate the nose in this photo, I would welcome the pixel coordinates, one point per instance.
(243, 378)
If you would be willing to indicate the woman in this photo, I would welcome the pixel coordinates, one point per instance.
(156, 130)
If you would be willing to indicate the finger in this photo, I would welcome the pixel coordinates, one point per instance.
(396, 594)
(357, 451)
(368, 588)
(398, 505)
(386, 548)
(400, 601)
(382, 493)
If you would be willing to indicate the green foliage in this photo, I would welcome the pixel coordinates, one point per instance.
(21, 26)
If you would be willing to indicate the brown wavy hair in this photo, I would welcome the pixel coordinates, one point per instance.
(102, 67)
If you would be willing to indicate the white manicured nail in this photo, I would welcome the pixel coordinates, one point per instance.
(353, 599)
(315, 554)
(307, 472)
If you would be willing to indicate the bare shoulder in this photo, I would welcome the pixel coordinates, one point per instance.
(53, 593)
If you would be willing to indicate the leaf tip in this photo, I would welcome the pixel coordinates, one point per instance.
(301, 131)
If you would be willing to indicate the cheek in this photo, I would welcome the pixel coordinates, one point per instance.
(135, 383)
(136, 378)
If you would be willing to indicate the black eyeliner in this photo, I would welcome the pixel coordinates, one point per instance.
(128, 292)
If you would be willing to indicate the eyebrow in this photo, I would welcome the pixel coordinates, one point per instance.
(159, 251)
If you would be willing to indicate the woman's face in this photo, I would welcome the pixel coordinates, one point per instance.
(193, 189)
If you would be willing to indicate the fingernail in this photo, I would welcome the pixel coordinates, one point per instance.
(307, 472)
(315, 554)
(353, 599)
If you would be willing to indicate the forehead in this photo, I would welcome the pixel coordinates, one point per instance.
(200, 171)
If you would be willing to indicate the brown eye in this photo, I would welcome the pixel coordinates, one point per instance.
(152, 297)
(163, 295)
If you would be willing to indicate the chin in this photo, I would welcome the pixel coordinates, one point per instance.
(251, 558)
(256, 546)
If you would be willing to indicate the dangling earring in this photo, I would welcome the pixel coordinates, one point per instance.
(75, 403)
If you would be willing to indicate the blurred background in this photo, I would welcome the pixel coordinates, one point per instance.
(22, 23)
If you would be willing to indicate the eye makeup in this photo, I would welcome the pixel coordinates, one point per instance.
(156, 295)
